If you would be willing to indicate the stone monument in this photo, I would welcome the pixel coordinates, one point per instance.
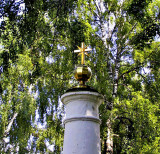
(82, 123)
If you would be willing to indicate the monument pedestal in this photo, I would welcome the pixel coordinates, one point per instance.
(82, 123)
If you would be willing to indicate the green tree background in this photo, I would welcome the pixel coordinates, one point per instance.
(37, 41)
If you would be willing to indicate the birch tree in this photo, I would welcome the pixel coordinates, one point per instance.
(37, 62)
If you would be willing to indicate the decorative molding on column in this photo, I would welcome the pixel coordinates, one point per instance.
(77, 96)
(82, 118)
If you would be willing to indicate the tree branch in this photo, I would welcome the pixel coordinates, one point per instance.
(129, 71)
(10, 125)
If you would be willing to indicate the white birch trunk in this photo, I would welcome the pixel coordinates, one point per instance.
(106, 33)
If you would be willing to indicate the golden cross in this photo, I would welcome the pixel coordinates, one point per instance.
(83, 51)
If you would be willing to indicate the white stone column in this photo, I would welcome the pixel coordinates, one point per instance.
(82, 123)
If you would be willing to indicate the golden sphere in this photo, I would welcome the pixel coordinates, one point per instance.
(83, 73)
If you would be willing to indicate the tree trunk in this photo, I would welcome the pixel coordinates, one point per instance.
(106, 33)
(109, 137)
(105, 147)
(3, 142)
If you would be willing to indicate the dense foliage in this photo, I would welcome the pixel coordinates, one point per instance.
(37, 41)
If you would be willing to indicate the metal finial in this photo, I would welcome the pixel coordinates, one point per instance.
(82, 51)
(82, 72)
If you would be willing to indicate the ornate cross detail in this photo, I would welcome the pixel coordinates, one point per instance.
(83, 51)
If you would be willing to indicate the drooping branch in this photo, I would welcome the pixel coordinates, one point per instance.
(131, 70)
(122, 118)
(130, 124)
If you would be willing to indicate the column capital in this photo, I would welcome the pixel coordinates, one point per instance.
(82, 95)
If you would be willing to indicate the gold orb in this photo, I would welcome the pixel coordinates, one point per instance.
(83, 73)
